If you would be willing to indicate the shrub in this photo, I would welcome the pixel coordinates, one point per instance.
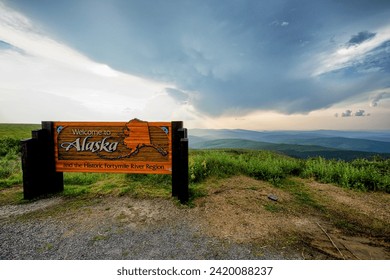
(10, 169)
(360, 174)
(261, 165)
(363, 174)
(212, 163)
(9, 146)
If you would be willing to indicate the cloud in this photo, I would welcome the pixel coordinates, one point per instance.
(236, 58)
(361, 113)
(178, 95)
(45, 79)
(280, 23)
(229, 58)
(360, 38)
(378, 97)
(347, 113)
(367, 57)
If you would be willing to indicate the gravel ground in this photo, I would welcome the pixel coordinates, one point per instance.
(236, 220)
(114, 228)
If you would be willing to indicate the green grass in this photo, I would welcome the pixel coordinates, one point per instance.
(273, 207)
(204, 165)
(262, 165)
(302, 194)
(17, 131)
(10, 165)
(98, 184)
(362, 174)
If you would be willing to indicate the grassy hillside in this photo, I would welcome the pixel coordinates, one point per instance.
(363, 174)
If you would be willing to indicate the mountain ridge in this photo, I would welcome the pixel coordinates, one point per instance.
(302, 144)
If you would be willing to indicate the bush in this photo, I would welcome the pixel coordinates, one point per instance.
(9, 146)
(211, 163)
(360, 174)
(270, 166)
(10, 163)
(261, 165)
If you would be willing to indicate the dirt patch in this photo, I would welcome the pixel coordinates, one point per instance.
(240, 209)
(364, 216)
(366, 203)
(237, 209)
(136, 213)
(7, 211)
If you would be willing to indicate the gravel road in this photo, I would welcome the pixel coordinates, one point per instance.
(114, 228)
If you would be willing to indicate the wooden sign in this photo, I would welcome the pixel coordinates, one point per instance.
(120, 147)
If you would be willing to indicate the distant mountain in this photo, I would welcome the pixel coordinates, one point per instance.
(345, 144)
(281, 136)
(299, 151)
(254, 145)
(302, 144)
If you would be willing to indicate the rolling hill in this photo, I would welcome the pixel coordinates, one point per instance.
(327, 144)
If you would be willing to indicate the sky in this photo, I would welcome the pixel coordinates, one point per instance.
(249, 64)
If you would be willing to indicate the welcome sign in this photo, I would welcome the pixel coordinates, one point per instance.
(118, 147)
(125, 147)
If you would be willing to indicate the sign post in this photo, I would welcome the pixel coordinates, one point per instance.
(116, 147)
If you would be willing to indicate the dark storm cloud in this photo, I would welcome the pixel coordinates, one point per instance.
(360, 38)
(234, 55)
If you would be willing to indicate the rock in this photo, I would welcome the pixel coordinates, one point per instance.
(273, 197)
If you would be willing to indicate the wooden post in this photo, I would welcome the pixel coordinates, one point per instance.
(39, 175)
(31, 184)
(183, 191)
(180, 162)
(55, 179)
(176, 136)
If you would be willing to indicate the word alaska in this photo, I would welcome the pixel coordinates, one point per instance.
(93, 146)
